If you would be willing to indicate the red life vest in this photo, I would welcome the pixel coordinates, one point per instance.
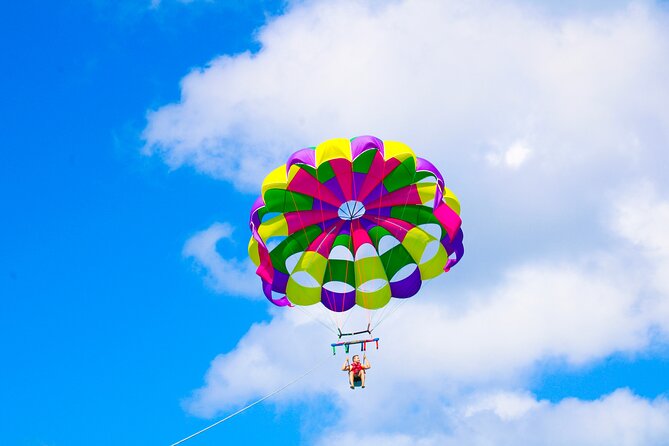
(356, 367)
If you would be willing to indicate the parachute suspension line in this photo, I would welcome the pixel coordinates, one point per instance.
(314, 318)
(381, 312)
(243, 409)
(390, 313)
(348, 316)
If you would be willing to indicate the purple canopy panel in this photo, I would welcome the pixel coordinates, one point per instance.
(323, 206)
(280, 282)
(358, 180)
(255, 219)
(361, 143)
(379, 191)
(338, 302)
(335, 188)
(423, 165)
(438, 197)
(281, 302)
(304, 156)
(328, 224)
(265, 270)
(346, 228)
(454, 247)
(406, 287)
(367, 224)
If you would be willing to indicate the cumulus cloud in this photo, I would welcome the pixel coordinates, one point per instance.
(570, 106)
(225, 275)
(620, 418)
(641, 215)
(538, 122)
(460, 354)
(505, 405)
(447, 77)
(494, 338)
(269, 357)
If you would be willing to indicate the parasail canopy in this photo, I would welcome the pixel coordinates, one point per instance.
(353, 222)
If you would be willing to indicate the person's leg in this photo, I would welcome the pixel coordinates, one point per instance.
(362, 378)
(350, 379)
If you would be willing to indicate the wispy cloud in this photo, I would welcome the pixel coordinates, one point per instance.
(154, 4)
(225, 275)
(512, 157)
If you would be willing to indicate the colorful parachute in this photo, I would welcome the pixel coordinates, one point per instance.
(353, 222)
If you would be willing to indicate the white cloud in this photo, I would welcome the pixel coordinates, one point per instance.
(618, 419)
(493, 338)
(513, 157)
(643, 218)
(269, 356)
(576, 104)
(458, 355)
(443, 76)
(573, 107)
(641, 215)
(225, 275)
(505, 405)
(537, 312)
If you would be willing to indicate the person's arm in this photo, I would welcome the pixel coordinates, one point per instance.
(366, 364)
(345, 366)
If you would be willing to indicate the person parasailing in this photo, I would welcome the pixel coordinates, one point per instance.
(356, 370)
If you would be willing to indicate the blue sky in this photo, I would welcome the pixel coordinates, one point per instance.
(128, 310)
(103, 319)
